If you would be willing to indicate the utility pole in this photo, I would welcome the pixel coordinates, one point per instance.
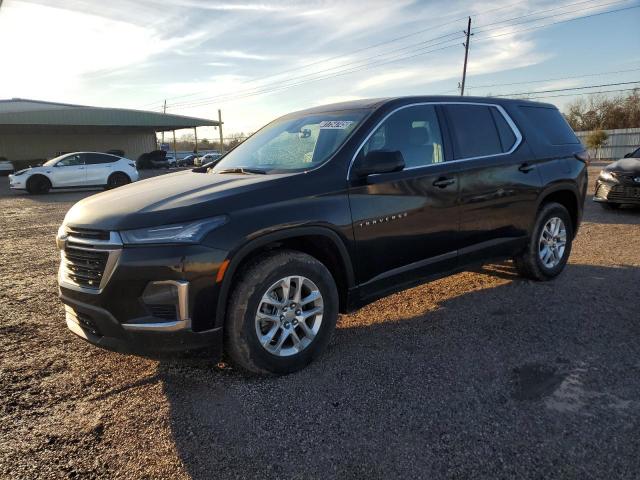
(175, 151)
(164, 111)
(466, 56)
(221, 136)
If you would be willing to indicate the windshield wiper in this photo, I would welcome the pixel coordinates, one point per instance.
(243, 170)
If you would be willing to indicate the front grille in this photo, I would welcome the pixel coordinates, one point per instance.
(623, 193)
(87, 233)
(166, 312)
(627, 178)
(85, 267)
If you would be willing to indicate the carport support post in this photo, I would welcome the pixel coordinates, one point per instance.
(195, 133)
(175, 152)
(220, 127)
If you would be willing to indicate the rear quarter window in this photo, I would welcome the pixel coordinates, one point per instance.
(551, 125)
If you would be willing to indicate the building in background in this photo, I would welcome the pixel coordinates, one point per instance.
(32, 130)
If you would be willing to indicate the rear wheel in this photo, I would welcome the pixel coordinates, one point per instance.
(282, 313)
(38, 185)
(549, 246)
(118, 179)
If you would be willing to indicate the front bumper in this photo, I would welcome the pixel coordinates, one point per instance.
(147, 301)
(99, 327)
(17, 182)
(628, 193)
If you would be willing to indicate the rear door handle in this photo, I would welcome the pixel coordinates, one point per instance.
(444, 182)
(526, 167)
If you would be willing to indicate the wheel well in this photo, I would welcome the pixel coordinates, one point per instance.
(38, 175)
(569, 200)
(318, 246)
(119, 173)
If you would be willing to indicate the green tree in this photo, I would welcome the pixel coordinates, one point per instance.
(596, 140)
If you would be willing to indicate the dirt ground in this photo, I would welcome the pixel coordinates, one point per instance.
(481, 374)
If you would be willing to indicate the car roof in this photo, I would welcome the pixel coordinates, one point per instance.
(101, 153)
(376, 103)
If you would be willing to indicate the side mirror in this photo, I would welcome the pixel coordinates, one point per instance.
(379, 161)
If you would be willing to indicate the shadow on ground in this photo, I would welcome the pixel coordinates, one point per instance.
(501, 382)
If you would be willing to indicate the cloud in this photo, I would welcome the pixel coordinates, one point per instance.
(243, 55)
(219, 64)
(135, 53)
(336, 99)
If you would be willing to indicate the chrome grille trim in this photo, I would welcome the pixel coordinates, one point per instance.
(111, 246)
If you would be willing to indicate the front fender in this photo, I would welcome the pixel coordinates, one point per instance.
(239, 254)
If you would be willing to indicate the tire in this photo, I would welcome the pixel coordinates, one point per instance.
(609, 206)
(117, 179)
(38, 185)
(529, 264)
(243, 322)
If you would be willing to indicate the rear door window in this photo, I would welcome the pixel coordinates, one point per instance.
(475, 132)
(551, 124)
(99, 158)
(414, 131)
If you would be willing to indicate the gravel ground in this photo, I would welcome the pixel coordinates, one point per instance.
(479, 375)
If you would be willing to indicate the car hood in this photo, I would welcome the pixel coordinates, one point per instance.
(625, 165)
(167, 199)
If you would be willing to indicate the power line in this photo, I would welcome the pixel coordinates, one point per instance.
(348, 54)
(566, 89)
(267, 89)
(538, 12)
(555, 23)
(227, 97)
(554, 79)
(589, 93)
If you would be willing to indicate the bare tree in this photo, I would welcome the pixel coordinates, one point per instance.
(600, 112)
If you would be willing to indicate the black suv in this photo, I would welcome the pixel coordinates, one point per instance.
(318, 213)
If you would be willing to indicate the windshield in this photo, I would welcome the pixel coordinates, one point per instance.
(53, 161)
(293, 143)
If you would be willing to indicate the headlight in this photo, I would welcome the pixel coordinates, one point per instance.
(191, 232)
(607, 176)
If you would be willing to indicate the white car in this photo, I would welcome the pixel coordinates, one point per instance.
(79, 169)
(209, 157)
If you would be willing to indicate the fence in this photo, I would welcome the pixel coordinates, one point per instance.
(619, 143)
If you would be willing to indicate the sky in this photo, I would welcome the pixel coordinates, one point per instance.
(257, 60)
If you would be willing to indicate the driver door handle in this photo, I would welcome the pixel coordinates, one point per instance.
(444, 182)
(526, 167)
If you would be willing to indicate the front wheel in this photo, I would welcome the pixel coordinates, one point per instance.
(282, 313)
(549, 246)
(38, 185)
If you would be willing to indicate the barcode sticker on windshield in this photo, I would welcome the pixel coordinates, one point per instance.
(336, 124)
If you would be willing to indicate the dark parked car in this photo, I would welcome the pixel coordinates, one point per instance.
(187, 161)
(619, 182)
(153, 159)
(322, 211)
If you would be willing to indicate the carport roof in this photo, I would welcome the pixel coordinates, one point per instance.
(18, 111)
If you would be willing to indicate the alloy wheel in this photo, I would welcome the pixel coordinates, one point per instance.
(289, 316)
(552, 242)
